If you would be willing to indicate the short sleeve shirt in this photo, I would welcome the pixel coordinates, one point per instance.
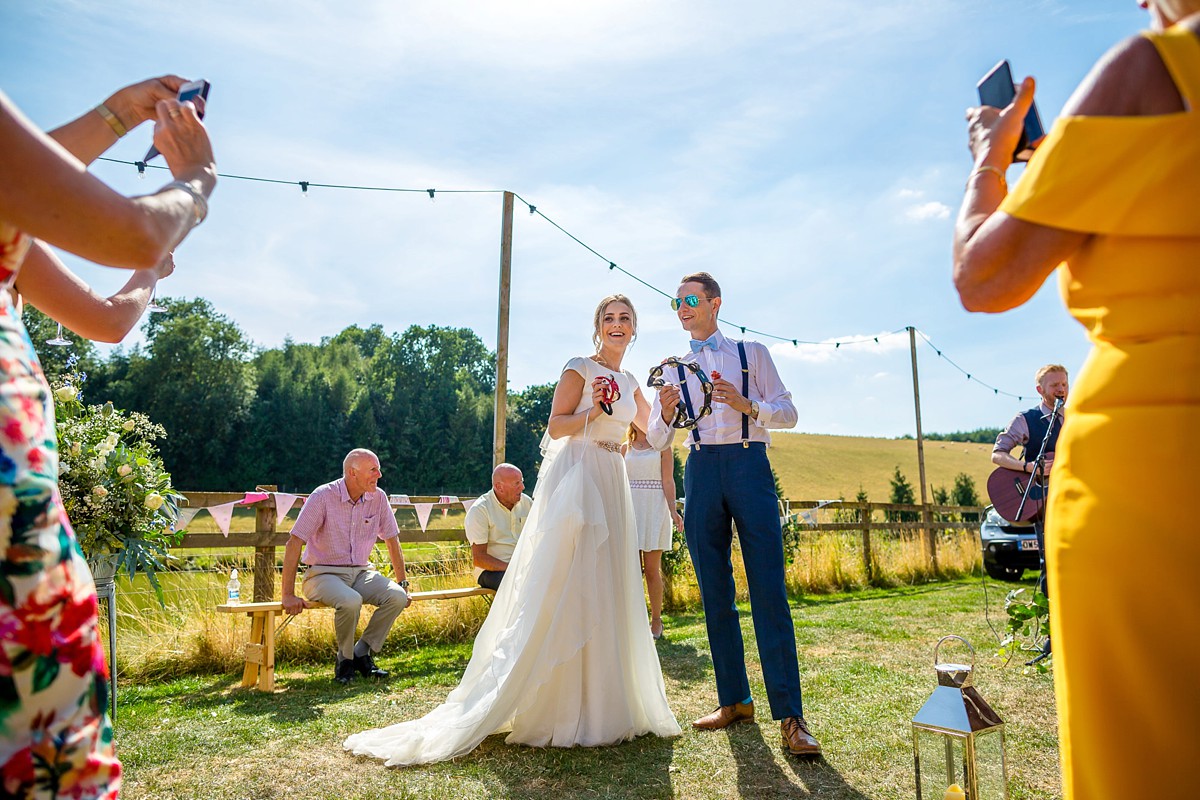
(339, 532)
(489, 522)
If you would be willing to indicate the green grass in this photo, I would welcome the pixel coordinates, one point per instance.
(815, 467)
(866, 664)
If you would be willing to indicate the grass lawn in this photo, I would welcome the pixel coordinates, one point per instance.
(866, 664)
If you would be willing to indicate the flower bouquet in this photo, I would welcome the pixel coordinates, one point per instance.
(116, 492)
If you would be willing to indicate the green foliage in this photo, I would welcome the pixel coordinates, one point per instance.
(979, 436)
(940, 496)
(964, 494)
(114, 487)
(1028, 627)
(902, 492)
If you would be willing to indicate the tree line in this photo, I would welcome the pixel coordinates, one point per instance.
(238, 415)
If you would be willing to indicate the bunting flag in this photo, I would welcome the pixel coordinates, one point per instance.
(283, 504)
(423, 511)
(399, 500)
(253, 497)
(449, 499)
(468, 503)
(223, 514)
(186, 515)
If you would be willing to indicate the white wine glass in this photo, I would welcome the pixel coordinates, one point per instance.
(152, 306)
(59, 340)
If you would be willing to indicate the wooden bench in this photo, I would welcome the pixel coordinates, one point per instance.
(260, 647)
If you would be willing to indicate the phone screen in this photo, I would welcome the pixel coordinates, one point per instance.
(996, 89)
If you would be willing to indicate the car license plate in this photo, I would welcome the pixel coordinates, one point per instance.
(1029, 544)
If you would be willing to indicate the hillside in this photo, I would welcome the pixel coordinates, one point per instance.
(821, 467)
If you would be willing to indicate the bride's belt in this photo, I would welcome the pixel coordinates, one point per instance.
(612, 447)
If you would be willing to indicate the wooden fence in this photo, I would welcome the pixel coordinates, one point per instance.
(864, 518)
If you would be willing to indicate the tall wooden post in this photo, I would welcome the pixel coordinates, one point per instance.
(501, 408)
(264, 552)
(926, 518)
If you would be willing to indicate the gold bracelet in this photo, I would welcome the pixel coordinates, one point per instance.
(112, 120)
(989, 168)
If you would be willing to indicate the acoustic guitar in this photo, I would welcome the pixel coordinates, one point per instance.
(1006, 487)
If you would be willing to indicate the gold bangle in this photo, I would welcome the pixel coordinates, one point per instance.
(999, 173)
(112, 120)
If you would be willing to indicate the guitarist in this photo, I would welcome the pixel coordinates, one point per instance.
(1027, 431)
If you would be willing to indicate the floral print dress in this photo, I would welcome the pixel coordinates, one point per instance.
(55, 735)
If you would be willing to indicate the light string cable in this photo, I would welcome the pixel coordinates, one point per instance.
(612, 265)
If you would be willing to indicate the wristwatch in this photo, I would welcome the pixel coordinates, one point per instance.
(754, 408)
(404, 584)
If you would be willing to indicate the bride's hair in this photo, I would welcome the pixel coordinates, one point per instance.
(599, 317)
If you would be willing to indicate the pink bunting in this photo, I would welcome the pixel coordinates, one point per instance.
(253, 497)
(466, 504)
(399, 500)
(423, 511)
(283, 504)
(223, 514)
(449, 499)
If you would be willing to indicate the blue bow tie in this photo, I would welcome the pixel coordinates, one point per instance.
(710, 342)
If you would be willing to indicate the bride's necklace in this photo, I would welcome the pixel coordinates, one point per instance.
(602, 361)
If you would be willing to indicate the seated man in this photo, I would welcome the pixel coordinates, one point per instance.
(493, 524)
(337, 530)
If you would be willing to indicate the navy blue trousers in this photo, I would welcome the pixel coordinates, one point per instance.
(732, 483)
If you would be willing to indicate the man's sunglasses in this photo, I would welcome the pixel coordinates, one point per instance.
(691, 300)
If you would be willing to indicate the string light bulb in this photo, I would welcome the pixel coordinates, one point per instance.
(532, 208)
(141, 168)
(304, 188)
(431, 194)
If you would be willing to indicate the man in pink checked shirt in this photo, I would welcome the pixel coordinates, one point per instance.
(337, 529)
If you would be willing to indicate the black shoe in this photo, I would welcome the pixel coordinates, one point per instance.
(367, 668)
(346, 667)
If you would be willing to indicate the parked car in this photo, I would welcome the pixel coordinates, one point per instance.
(1009, 548)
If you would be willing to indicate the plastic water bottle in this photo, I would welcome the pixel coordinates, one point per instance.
(234, 588)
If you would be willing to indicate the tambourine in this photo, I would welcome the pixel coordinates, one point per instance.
(612, 393)
(682, 420)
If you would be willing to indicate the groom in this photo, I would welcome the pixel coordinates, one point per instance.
(728, 479)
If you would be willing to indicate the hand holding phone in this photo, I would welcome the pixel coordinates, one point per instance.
(197, 93)
(997, 89)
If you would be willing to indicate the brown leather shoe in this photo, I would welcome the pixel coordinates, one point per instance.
(725, 716)
(797, 738)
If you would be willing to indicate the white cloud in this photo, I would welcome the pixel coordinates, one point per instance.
(930, 210)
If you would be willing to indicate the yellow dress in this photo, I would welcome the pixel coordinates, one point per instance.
(1123, 535)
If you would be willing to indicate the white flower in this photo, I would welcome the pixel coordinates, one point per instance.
(65, 393)
(124, 470)
(128, 425)
(154, 501)
(111, 441)
(100, 491)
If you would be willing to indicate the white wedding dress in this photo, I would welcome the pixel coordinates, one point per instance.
(565, 656)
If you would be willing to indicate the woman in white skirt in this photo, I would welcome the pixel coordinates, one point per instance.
(652, 484)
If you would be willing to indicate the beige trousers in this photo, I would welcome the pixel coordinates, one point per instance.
(346, 589)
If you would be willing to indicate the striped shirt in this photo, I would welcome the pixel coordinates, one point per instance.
(338, 532)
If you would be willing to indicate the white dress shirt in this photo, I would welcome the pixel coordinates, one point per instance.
(490, 523)
(724, 425)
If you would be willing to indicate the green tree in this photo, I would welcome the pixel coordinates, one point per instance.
(902, 492)
(193, 377)
(964, 494)
(54, 358)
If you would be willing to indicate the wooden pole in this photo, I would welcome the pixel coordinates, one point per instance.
(501, 408)
(925, 516)
(264, 555)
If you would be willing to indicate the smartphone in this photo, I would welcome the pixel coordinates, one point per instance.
(997, 89)
(195, 91)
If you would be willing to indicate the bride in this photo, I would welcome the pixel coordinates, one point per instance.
(565, 656)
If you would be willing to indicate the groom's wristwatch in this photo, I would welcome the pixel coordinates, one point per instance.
(754, 408)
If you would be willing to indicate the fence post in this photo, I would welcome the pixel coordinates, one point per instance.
(864, 517)
(264, 557)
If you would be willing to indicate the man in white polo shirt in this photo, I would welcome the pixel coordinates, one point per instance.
(493, 524)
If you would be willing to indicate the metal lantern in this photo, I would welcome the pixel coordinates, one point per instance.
(958, 740)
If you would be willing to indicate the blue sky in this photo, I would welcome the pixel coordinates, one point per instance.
(810, 155)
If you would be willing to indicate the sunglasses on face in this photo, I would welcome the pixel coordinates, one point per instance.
(691, 300)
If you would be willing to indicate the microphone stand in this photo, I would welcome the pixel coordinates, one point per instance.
(1038, 478)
